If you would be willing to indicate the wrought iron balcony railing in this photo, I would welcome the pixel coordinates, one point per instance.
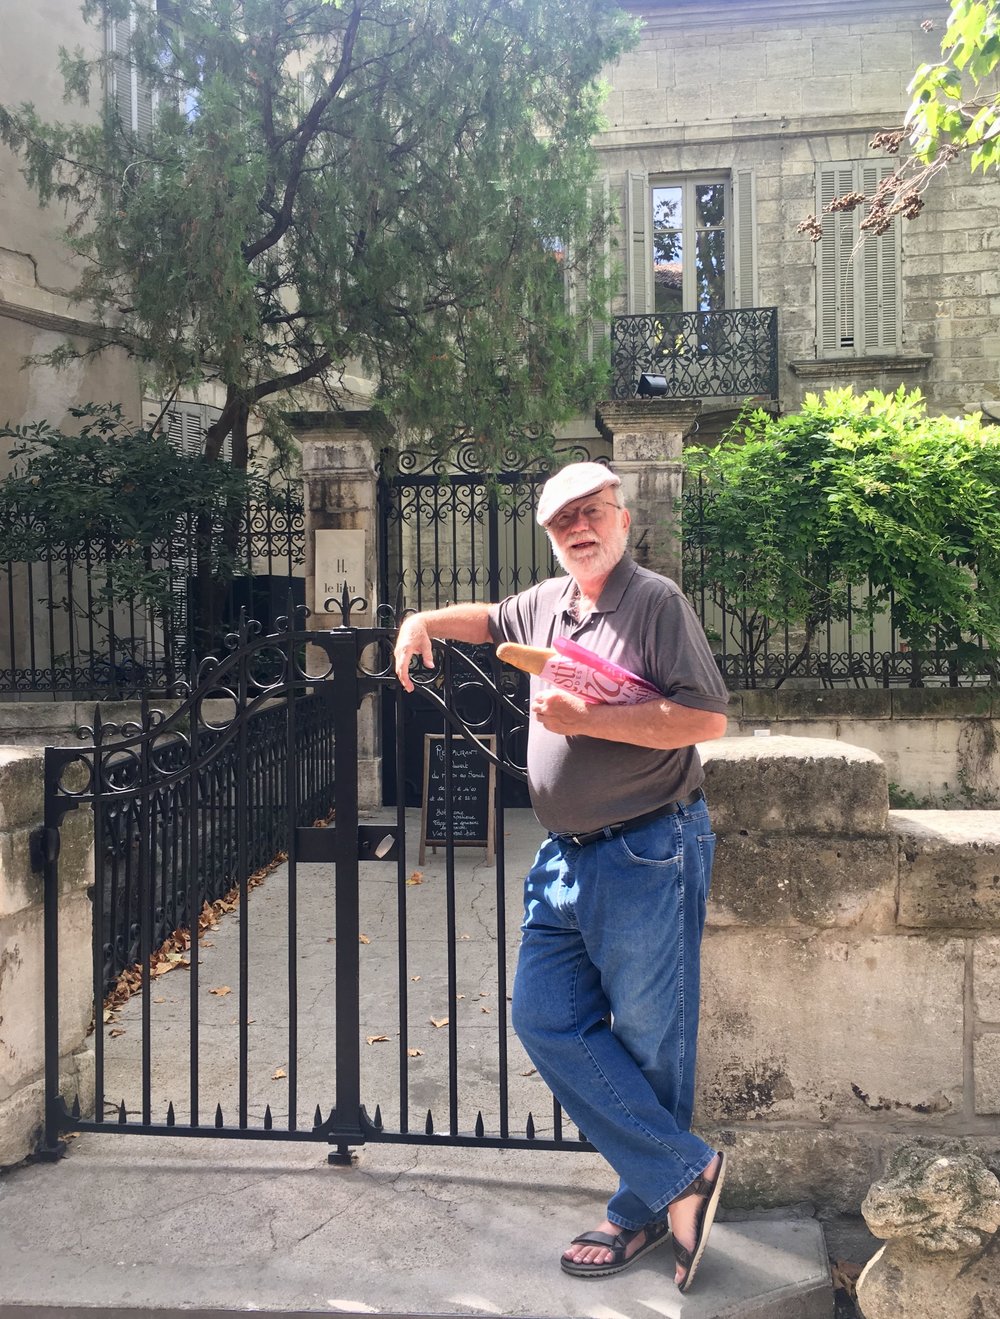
(700, 354)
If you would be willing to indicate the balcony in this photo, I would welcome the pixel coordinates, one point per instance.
(699, 354)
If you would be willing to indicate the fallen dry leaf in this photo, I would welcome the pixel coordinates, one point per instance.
(465, 936)
(331, 939)
(845, 1274)
(416, 878)
(206, 943)
(221, 990)
(439, 1022)
(363, 938)
(529, 1072)
(376, 1039)
(279, 1072)
(107, 1014)
(460, 996)
(483, 1008)
(414, 1053)
(115, 1033)
(159, 1000)
(414, 978)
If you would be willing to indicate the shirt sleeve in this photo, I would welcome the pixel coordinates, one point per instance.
(679, 659)
(515, 618)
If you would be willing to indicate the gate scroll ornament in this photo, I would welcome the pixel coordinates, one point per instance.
(163, 768)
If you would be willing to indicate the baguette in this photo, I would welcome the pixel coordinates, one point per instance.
(530, 659)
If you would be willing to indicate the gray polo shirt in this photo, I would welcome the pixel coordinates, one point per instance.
(643, 622)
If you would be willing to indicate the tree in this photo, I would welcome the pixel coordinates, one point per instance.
(954, 112)
(401, 186)
(128, 509)
(854, 490)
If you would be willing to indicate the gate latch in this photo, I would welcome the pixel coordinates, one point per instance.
(377, 842)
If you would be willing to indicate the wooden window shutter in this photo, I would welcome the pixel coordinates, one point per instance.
(122, 90)
(186, 424)
(637, 225)
(835, 270)
(744, 239)
(878, 310)
(134, 99)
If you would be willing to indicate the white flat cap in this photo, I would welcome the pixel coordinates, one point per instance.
(574, 481)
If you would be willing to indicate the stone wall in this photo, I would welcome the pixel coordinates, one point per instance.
(850, 968)
(22, 1058)
(940, 745)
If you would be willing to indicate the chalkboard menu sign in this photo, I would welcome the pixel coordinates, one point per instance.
(473, 778)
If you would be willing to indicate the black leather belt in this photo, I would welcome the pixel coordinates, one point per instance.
(610, 830)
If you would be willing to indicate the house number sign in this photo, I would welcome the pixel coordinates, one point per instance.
(340, 560)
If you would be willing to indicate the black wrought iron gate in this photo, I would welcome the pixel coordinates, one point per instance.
(351, 996)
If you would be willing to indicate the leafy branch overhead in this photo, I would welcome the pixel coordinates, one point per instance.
(327, 191)
(954, 113)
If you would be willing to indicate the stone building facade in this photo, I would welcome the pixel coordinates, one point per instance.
(37, 273)
(732, 121)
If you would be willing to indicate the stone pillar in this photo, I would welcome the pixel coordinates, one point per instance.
(647, 439)
(340, 493)
(22, 999)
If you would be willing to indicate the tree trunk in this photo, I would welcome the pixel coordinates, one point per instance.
(217, 545)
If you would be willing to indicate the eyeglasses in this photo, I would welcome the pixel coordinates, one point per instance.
(593, 512)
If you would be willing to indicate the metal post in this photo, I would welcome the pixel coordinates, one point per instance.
(493, 566)
(345, 1129)
(52, 1147)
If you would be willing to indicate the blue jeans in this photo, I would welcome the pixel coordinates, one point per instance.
(615, 927)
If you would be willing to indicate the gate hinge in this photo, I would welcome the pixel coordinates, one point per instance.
(43, 847)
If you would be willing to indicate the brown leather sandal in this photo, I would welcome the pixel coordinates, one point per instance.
(656, 1234)
(710, 1191)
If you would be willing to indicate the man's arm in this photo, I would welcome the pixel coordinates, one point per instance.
(468, 622)
(660, 724)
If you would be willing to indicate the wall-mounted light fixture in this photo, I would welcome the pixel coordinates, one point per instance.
(651, 386)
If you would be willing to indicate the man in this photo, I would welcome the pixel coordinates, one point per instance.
(605, 997)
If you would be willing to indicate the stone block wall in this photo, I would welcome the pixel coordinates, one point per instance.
(940, 745)
(849, 994)
(22, 1058)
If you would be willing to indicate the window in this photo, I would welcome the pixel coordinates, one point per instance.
(690, 224)
(690, 242)
(131, 91)
(857, 277)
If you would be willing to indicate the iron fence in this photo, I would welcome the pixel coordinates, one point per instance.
(699, 354)
(851, 638)
(68, 628)
(188, 837)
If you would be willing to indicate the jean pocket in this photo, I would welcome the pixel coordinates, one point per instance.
(706, 850)
(655, 844)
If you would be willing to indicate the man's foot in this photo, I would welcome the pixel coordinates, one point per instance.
(609, 1249)
(691, 1218)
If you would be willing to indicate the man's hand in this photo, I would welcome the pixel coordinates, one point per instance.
(560, 712)
(412, 639)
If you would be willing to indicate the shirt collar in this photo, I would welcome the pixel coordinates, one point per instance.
(614, 588)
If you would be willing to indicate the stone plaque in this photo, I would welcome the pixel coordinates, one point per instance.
(340, 559)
